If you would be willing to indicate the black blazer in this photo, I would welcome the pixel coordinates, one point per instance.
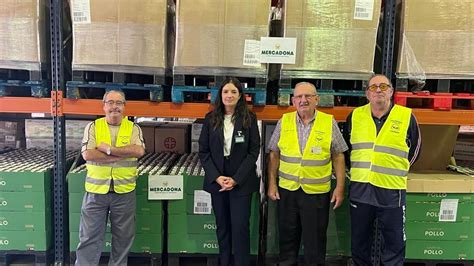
(243, 157)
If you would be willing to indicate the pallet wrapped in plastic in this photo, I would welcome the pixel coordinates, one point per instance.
(436, 42)
(119, 36)
(211, 34)
(335, 39)
(23, 34)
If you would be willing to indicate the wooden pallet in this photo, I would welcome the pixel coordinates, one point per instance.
(96, 90)
(39, 258)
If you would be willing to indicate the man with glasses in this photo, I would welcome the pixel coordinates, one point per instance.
(111, 147)
(384, 141)
(304, 149)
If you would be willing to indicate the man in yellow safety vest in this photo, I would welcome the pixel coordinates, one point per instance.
(304, 149)
(384, 140)
(111, 146)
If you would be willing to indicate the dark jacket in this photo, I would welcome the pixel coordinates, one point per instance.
(243, 157)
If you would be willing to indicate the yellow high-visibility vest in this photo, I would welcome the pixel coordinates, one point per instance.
(381, 160)
(124, 172)
(311, 171)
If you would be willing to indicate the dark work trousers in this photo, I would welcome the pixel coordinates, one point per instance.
(307, 215)
(391, 223)
(232, 220)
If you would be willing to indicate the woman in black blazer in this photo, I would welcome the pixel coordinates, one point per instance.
(229, 145)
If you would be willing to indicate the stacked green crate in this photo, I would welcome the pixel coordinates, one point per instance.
(338, 233)
(428, 238)
(149, 213)
(25, 199)
(196, 233)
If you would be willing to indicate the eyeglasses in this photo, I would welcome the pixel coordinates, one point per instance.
(307, 96)
(381, 86)
(112, 102)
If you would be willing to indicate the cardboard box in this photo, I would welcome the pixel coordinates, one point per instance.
(26, 181)
(444, 22)
(149, 138)
(330, 39)
(440, 250)
(23, 34)
(440, 231)
(25, 221)
(211, 34)
(434, 156)
(429, 212)
(437, 197)
(26, 240)
(135, 32)
(439, 182)
(172, 139)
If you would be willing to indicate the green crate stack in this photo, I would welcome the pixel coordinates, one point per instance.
(149, 213)
(338, 233)
(196, 233)
(428, 238)
(25, 199)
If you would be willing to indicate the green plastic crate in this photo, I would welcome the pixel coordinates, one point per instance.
(25, 240)
(441, 231)
(25, 221)
(25, 181)
(25, 201)
(440, 250)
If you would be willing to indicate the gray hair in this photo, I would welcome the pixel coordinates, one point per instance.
(379, 75)
(305, 83)
(116, 91)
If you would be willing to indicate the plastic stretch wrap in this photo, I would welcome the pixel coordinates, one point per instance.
(436, 42)
(211, 34)
(330, 39)
(122, 36)
(23, 34)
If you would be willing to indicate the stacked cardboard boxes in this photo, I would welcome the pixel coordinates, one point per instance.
(119, 35)
(23, 34)
(39, 133)
(212, 34)
(11, 134)
(449, 30)
(335, 39)
(430, 238)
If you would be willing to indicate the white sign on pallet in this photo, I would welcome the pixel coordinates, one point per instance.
(165, 187)
(277, 50)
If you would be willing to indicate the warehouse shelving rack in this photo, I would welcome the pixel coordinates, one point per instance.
(59, 107)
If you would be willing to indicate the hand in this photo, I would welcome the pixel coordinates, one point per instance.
(103, 147)
(228, 184)
(337, 197)
(272, 192)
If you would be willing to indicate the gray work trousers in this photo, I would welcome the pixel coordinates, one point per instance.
(94, 211)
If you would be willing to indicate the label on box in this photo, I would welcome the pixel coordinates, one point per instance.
(165, 187)
(202, 202)
(9, 138)
(448, 210)
(252, 53)
(81, 11)
(277, 50)
(364, 9)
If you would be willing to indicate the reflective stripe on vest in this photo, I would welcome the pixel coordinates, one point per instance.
(123, 172)
(381, 160)
(311, 171)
